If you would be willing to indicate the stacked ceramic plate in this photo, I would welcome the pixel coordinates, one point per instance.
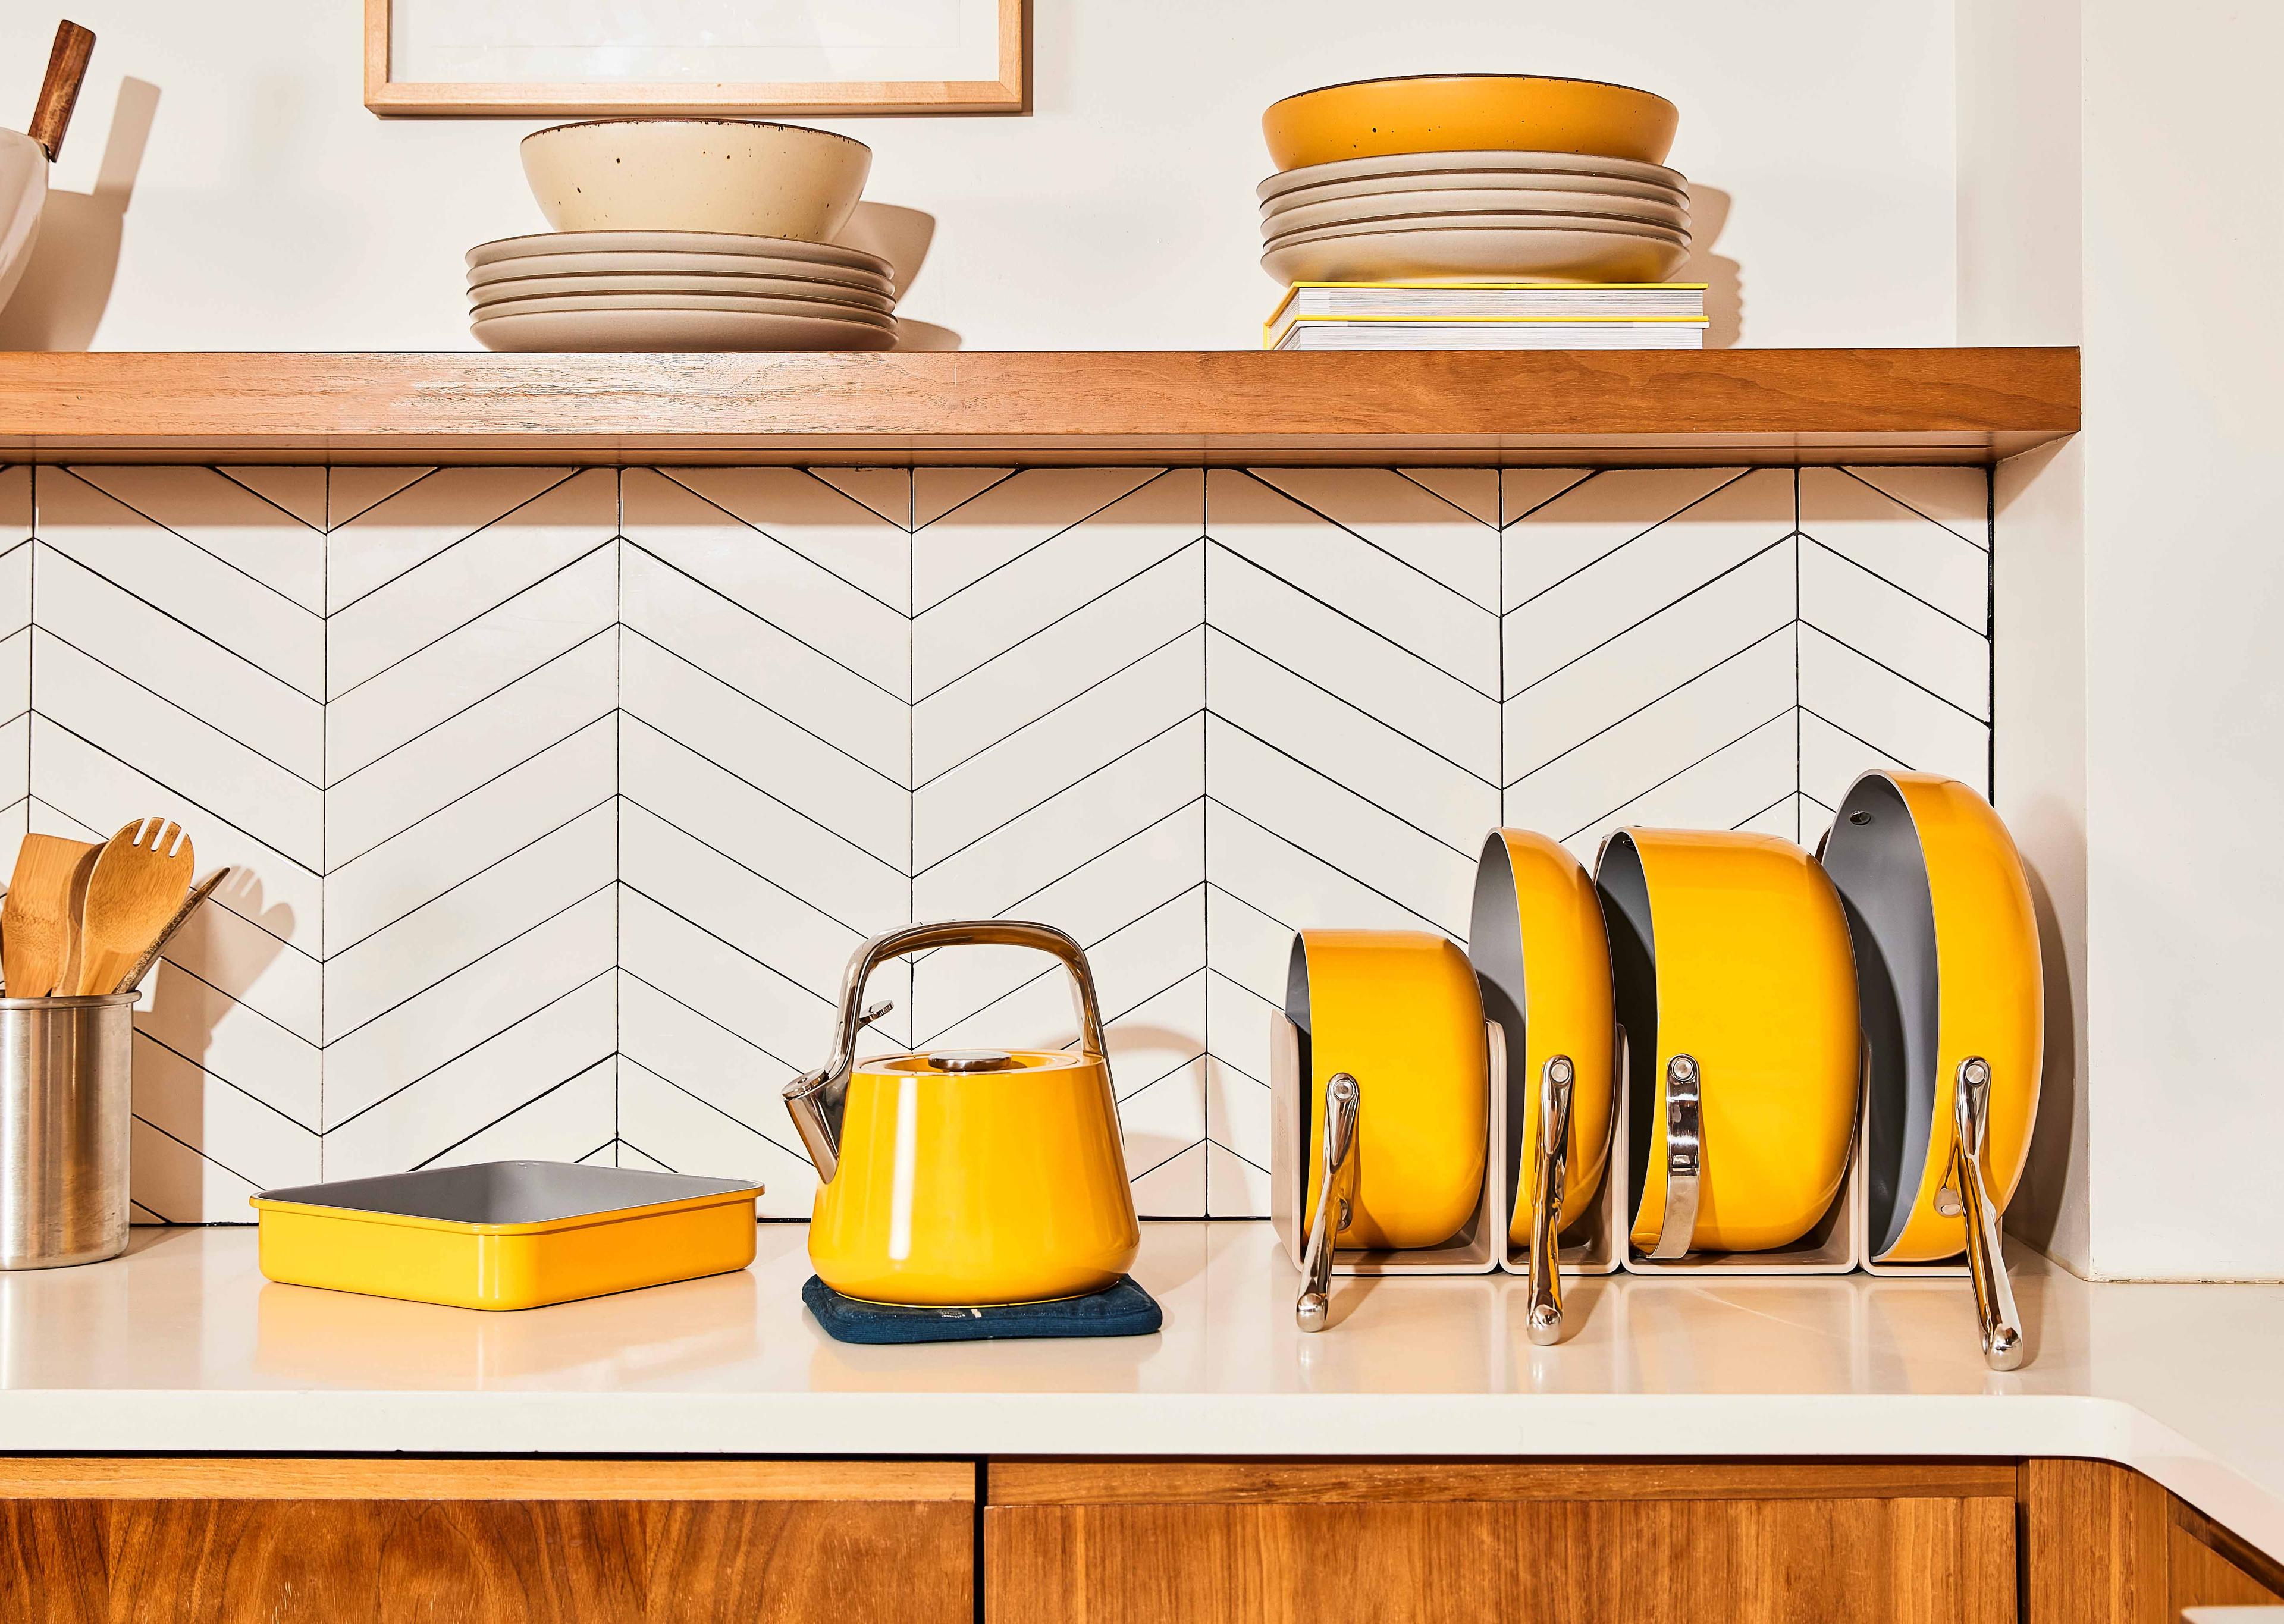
(677, 291)
(1473, 177)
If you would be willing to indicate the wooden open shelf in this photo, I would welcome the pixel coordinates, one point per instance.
(1571, 406)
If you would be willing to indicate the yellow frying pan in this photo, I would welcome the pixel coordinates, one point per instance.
(1538, 946)
(1396, 1076)
(1736, 986)
(1954, 1013)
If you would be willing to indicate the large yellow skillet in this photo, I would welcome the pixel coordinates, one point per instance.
(1947, 952)
(1736, 986)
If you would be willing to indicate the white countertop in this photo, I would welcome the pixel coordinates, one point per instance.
(181, 1344)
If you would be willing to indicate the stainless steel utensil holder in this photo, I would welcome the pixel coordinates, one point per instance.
(65, 1101)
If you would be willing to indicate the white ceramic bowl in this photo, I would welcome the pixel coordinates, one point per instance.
(1587, 254)
(675, 329)
(1287, 217)
(1436, 163)
(696, 175)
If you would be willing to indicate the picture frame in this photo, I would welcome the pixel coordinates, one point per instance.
(477, 58)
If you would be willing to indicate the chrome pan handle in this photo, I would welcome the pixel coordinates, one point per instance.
(1986, 1257)
(1335, 1201)
(1554, 1153)
(1684, 1155)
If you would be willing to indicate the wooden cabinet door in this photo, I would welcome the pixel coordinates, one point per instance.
(1143, 1543)
(391, 1541)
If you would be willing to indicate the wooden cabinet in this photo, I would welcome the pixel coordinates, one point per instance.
(1144, 1542)
(380, 1541)
(212, 1541)
(2107, 1546)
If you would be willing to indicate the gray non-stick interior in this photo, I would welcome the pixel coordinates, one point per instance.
(508, 1191)
(1494, 945)
(1873, 856)
(1296, 1011)
(1624, 890)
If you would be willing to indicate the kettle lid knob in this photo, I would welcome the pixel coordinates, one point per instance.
(970, 1059)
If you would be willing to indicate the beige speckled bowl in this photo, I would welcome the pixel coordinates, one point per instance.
(696, 175)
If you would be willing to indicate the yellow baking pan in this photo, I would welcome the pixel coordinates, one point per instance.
(506, 1234)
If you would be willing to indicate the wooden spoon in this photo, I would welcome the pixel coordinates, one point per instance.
(139, 880)
(36, 922)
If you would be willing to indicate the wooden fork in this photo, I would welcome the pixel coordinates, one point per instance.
(140, 877)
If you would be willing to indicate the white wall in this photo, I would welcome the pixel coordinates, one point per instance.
(2019, 256)
(2184, 597)
(272, 211)
(2141, 685)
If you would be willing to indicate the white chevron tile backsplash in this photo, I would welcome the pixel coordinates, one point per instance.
(559, 797)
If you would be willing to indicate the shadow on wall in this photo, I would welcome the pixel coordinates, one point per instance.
(66, 288)
(1724, 277)
(171, 1063)
(901, 237)
(2035, 1213)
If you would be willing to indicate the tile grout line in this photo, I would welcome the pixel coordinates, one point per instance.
(618, 804)
(1205, 837)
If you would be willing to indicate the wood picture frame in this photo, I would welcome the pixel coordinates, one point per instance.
(1008, 91)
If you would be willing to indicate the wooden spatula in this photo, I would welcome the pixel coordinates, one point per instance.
(36, 922)
(139, 880)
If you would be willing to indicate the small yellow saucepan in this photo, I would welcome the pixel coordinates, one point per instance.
(1737, 987)
(1949, 976)
(1543, 956)
(1396, 1073)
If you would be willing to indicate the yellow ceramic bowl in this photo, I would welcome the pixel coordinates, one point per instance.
(1469, 112)
(1947, 966)
(1398, 1010)
(1732, 949)
(1539, 948)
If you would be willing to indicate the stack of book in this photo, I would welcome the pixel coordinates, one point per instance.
(1488, 316)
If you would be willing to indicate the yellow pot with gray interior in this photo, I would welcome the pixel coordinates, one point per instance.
(1736, 985)
(1399, 1015)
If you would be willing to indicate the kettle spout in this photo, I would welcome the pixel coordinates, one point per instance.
(807, 1102)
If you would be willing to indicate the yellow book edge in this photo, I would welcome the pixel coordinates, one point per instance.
(1444, 284)
(1273, 333)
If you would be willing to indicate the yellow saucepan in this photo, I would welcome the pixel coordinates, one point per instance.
(1399, 1012)
(1736, 986)
(1948, 968)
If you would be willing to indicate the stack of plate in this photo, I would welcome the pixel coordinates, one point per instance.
(677, 291)
(1493, 177)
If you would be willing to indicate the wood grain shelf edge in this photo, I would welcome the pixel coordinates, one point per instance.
(1637, 408)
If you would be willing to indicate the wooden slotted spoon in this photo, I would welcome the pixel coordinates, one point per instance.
(38, 923)
(139, 881)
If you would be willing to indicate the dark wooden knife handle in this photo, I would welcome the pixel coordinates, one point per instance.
(60, 91)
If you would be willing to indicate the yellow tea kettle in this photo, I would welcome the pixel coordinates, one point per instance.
(965, 1176)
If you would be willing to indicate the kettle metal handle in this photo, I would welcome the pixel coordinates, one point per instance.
(815, 1098)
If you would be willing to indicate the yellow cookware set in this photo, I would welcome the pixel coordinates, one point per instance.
(1747, 1007)
(1695, 1034)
